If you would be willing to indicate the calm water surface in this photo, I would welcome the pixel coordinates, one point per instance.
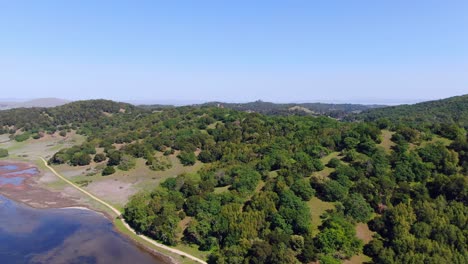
(30, 235)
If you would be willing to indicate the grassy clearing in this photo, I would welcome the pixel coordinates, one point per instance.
(325, 173)
(193, 250)
(221, 189)
(387, 143)
(330, 156)
(363, 232)
(213, 125)
(358, 259)
(436, 139)
(317, 208)
(273, 174)
(260, 186)
(46, 146)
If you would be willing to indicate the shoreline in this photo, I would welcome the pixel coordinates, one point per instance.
(167, 259)
(35, 195)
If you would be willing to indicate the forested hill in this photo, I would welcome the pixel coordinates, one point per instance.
(277, 189)
(450, 110)
(50, 119)
(268, 108)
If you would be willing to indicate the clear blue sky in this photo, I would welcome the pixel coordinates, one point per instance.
(283, 51)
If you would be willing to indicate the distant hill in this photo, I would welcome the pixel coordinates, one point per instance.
(268, 108)
(74, 113)
(41, 102)
(449, 110)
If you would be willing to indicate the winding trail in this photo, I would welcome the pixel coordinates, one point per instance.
(119, 214)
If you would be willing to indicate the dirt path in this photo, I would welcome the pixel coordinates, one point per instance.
(118, 213)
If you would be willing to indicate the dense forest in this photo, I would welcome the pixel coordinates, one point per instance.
(250, 202)
(450, 110)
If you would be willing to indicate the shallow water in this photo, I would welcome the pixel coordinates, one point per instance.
(29, 171)
(29, 235)
(12, 174)
(8, 167)
(16, 181)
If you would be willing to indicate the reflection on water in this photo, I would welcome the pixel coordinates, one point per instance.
(30, 235)
(30, 171)
(8, 167)
(16, 181)
(14, 175)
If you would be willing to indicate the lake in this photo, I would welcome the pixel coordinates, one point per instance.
(29, 235)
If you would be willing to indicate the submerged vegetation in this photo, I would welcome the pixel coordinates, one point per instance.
(250, 202)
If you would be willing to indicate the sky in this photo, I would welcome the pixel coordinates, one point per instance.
(236, 51)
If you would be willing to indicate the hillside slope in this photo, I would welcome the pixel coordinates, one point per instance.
(268, 108)
(450, 110)
(75, 113)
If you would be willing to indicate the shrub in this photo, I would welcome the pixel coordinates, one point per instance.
(333, 163)
(100, 157)
(108, 171)
(127, 163)
(3, 153)
(187, 158)
(22, 137)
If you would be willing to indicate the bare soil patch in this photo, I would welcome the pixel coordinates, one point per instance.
(363, 232)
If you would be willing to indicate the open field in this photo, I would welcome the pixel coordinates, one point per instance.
(45, 146)
(323, 174)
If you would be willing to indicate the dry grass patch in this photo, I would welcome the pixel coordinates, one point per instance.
(363, 232)
(330, 156)
(445, 141)
(358, 259)
(317, 208)
(323, 174)
(221, 189)
(387, 142)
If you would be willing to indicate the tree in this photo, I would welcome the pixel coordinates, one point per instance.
(303, 189)
(332, 191)
(80, 159)
(260, 252)
(356, 206)
(245, 179)
(114, 158)
(138, 213)
(337, 238)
